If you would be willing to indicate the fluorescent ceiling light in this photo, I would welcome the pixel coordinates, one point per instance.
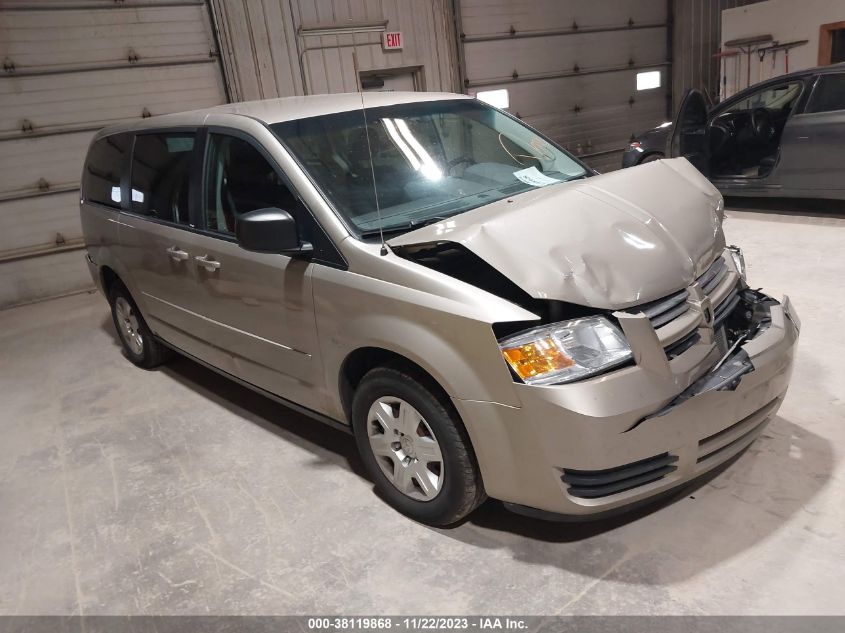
(401, 144)
(429, 168)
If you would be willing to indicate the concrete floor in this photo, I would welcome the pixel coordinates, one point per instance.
(175, 491)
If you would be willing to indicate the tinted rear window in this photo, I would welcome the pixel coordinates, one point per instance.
(107, 160)
(160, 175)
(829, 94)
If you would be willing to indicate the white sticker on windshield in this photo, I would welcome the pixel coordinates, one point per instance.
(534, 177)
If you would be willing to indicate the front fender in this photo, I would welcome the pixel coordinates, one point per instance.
(449, 339)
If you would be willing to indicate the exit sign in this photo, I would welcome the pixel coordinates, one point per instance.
(392, 41)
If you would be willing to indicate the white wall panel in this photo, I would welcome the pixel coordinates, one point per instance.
(35, 221)
(498, 59)
(52, 5)
(266, 55)
(785, 21)
(603, 115)
(485, 17)
(61, 38)
(697, 38)
(570, 67)
(57, 159)
(101, 97)
(73, 75)
(34, 278)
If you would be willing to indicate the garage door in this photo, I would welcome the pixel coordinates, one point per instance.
(570, 68)
(71, 67)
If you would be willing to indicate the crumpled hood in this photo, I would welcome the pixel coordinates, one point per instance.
(610, 241)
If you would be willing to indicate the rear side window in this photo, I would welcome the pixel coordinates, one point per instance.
(107, 161)
(829, 94)
(161, 166)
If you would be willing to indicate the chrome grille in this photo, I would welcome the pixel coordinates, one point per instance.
(726, 306)
(713, 275)
(663, 312)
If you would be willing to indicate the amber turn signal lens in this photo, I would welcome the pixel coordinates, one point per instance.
(536, 358)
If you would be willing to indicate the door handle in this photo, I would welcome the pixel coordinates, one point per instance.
(177, 254)
(209, 264)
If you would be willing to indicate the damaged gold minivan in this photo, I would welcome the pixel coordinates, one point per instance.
(486, 314)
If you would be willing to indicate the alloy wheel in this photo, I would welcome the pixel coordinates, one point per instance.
(128, 326)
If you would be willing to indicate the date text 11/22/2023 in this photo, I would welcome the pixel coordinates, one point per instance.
(422, 623)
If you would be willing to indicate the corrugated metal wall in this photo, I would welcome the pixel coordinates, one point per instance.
(279, 48)
(71, 68)
(570, 67)
(697, 37)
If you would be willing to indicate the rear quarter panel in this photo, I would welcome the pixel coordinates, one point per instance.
(101, 231)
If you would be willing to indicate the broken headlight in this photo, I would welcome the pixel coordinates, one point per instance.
(739, 260)
(565, 351)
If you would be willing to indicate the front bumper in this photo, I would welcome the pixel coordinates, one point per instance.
(567, 447)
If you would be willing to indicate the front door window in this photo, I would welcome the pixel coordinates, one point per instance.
(238, 180)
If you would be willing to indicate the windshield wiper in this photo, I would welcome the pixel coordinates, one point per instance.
(415, 224)
(401, 228)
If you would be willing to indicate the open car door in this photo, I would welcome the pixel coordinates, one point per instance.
(690, 133)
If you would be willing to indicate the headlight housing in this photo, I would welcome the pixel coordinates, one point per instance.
(739, 260)
(565, 351)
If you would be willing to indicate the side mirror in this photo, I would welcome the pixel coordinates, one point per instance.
(270, 231)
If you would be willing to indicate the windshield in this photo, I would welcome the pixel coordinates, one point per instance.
(431, 160)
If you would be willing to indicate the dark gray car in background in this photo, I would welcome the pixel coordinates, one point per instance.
(781, 137)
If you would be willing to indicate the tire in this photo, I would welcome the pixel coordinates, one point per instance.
(139, 344)
(405, 427)
(650, 158)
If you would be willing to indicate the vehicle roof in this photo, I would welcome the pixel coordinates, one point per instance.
(818, 70)
(290, 108)
(286, 108)
(798, 74)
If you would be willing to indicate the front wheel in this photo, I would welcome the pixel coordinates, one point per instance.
(415, 448)
(650, 158)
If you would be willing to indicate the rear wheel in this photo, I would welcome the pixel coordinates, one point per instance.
(139, 344)
(415, 448)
